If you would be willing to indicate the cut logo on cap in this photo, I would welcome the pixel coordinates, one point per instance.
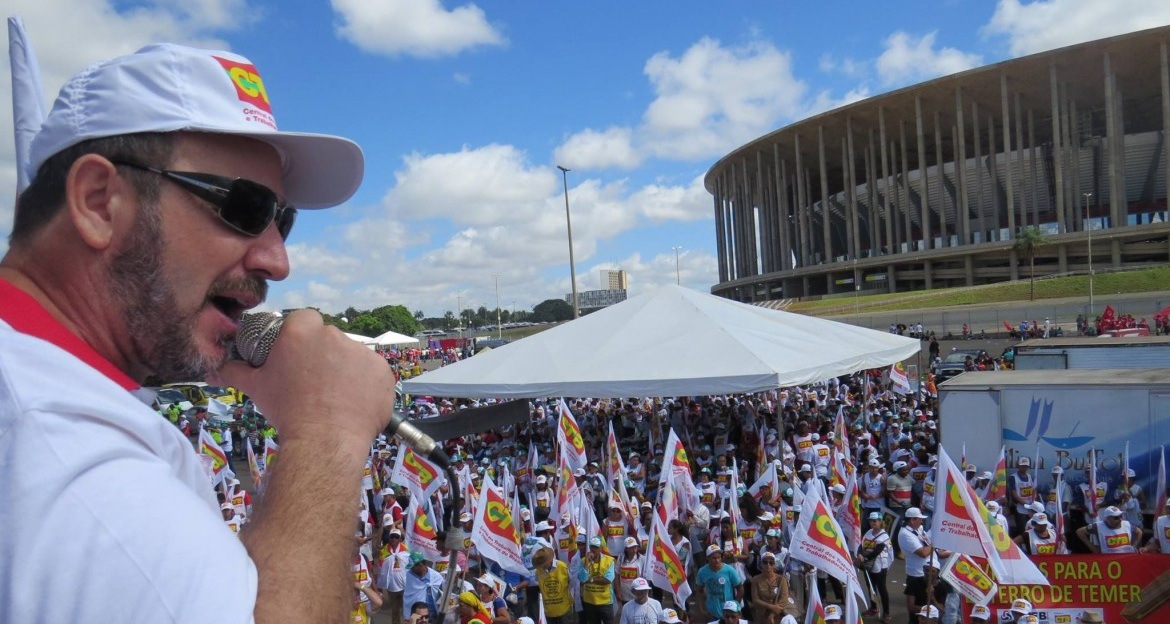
(249, 85)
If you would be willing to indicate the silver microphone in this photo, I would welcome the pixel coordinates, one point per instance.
(254, 339)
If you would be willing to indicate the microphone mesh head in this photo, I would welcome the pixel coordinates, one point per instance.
(256, 335)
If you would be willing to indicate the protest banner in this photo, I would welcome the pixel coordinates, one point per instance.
(1125, 588)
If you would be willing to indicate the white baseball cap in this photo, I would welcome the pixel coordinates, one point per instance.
(981, 611)
(165, 87)
(1019, 605)
(832, 612)
(669, 616)
(914, 512)
(929, 611)
(640, 584)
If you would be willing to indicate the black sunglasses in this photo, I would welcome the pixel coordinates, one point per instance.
(245, 206)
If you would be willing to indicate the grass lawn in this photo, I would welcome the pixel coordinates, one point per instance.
(1144, 280)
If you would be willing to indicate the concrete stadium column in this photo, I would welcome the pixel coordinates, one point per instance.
(826, 214)
(783, 206)
(1062, 258)
(1165, 67)
(907, 205)
(885, 191)
(1115, 249)
(847, 217)
(963, 213)
(891, 279)
(941, 203)
(924, 218)
(927, 273)
(871, 202)
(1111, 132)
(851, 189)
(1057, 161)
(969, 268)
(997, 209)
(978, 173)
(720, 232)
(1121, 220)
(1034, 169)
(801, 210)
(1009, 178)
(1015, 265)
(807, 291)
(765, 229)
(1022, 164)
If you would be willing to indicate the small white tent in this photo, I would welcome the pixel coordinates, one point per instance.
(391, 338)
(673, 341)
(366, 340)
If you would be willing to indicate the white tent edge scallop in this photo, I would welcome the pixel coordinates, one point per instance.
(673, 341)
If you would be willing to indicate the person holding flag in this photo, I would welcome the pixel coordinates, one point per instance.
(875, 556)
(915, 544)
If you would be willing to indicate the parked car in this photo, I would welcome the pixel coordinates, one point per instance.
(166, 397)
(956, 362)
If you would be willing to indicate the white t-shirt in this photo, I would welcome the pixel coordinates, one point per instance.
(84, 457)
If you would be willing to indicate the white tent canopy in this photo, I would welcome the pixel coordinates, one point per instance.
(366, 340)
(671, 342)
(393, 338)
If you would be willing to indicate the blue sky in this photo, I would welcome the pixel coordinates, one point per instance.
(465, 109)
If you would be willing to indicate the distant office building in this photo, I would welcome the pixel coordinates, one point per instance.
(597, 299)
(615, 280)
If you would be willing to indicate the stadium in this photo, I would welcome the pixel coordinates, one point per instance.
(930, 186)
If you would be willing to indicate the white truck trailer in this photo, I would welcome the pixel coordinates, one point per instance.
(1095, 352)
(1059, 417)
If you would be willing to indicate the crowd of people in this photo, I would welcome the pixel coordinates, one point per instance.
(892, 438)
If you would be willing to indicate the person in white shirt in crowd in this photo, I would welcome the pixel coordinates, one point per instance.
(1058, 483)
(1111, 534)
(915, 545)
(1021, 492)
(1160, 542)
(629, 568)
(875, 555)
(641, 608)
(1040, 537)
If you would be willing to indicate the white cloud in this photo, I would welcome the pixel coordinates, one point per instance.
(510, 222)
(695, 269)
(590, 149)
(422, 28)
(461, 78)
(1048, 24)
(707, 101)
(714, 98)
(486, 185)
(674, 203)
(907, 59)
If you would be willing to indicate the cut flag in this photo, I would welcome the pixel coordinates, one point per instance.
(819, 541)
(569, 438)
(493, 533)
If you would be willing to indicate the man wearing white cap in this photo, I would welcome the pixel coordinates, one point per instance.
(900, 488)
(1111, 534)
(716, 583)
(1160, 542)
(542, 498)
(915, 544)
(1021, 488)
(629, 569)
(1050, 494)
(155, 200)
(980, 614)
(640, 608)
(730, 614)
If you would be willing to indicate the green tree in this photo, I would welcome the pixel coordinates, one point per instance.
(1027, 241)
(448, 319)
(419, 316)
(552, 310)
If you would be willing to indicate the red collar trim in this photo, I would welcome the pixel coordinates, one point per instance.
(27, 316)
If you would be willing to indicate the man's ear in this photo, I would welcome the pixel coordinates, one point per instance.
(97, 200)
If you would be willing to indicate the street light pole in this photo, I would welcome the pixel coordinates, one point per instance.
(677, 279)
(1089, 232)
(499, 329)
(569, 223)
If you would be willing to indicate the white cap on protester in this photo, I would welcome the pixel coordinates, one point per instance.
(832, 612)
(167, 88)
(640, 584)
(669, 616)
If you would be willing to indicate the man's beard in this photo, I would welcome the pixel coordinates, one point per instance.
(162, 335)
